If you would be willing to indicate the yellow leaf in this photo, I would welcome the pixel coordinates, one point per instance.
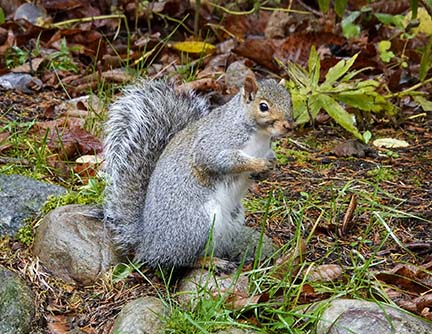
(194, 47)
(424, 19)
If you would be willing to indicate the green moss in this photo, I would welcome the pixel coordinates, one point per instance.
(25, 234)
(383, 174)
(285, 155)
(91, 193)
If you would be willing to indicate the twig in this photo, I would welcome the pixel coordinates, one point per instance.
(301, 146)
(427, 5)
(88, 19)
(410, 89)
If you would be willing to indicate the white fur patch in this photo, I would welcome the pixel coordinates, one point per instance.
(228, 195)
(258, 146)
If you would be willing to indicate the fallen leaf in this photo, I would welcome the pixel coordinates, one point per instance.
(325, 273)
(194, 47)
(390, 143)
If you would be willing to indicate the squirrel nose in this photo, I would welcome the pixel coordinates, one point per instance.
(288, 125)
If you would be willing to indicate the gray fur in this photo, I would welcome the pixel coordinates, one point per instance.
(155, 202)
(139, 126)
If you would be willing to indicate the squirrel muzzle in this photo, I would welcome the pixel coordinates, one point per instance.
(281, 128)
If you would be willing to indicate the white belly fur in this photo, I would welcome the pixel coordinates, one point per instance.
(228, 195)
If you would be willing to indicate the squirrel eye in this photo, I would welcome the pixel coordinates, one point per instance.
(263, 107)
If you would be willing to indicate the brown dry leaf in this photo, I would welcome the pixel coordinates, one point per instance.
(390, 7)
(3, 35)
(308, 289)
(10, 41)
(347, 219)
(25, 68)
(309, 295)
(67, 137)
(200, 85)
(87, 166)
(244, 25)
(424, 301)
(427, 313)
(261, 51)
(325, 273)
(4, 145)
(239, 301)
(80, 107)
(412, 278)
(57, 324)
(297, 46)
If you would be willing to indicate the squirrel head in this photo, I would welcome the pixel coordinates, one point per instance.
(268, 105)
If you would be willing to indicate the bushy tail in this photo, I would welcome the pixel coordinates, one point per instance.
(140, 124)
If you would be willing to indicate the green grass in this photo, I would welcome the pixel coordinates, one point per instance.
(283, 285)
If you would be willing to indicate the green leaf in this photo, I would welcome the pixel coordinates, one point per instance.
(367, 135)
(340, 6)
(314, 105)
(383, 50)
(298, 74)
(352, 74)
(324, 5)
(426, 61)
(122, 271)
(299, 102)
(359, 101)
(394, 20)
(425, 104)
(2, 16)
(349, 29)
(339, 114)
(339, 70)
(314, 66)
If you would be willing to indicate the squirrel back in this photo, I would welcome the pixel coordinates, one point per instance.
(140, 124)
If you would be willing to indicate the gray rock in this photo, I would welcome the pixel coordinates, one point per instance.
(74, 245)
(200, 283)
(245, 245)
(20, 81)
(140, 316)
(20, 198)
(348, 316)
(16, 304)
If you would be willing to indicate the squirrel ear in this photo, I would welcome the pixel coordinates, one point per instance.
(249, 89)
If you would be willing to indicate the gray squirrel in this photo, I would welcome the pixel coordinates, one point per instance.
(178, 170)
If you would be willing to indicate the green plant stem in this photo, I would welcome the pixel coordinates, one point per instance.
(197, 15)
(408, 90)
(88, 19)
(257, 7)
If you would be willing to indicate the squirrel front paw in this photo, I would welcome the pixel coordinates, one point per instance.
(263, 165)
(264, 173)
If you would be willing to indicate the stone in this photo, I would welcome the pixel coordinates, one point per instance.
(200, 283)
(349, 316)
(21, 198)
(74, 244)
(141, 316)
(249, 240)
(16, 304)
